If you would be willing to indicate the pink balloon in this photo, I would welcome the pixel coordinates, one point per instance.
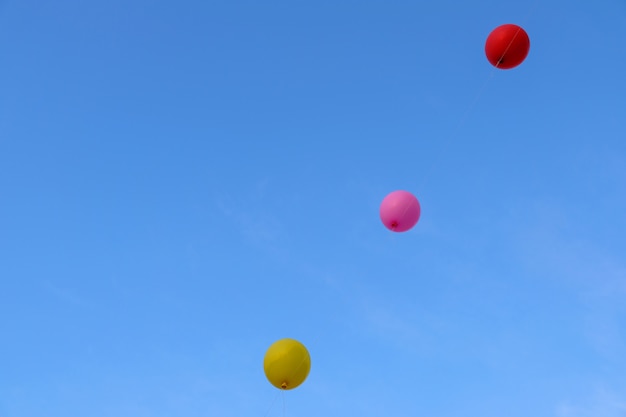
(400, 211)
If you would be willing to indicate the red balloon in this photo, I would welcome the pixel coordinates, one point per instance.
(507, 46)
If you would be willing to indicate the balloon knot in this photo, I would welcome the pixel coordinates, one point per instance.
(283, 385)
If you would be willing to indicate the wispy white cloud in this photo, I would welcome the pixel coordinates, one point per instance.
(402, 326)
(251, 217)
(602, 403)
(553, 250)
(67, 295)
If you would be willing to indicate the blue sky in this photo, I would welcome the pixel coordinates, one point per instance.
(183, 183)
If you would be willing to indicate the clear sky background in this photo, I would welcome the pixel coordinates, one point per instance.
(184, 182)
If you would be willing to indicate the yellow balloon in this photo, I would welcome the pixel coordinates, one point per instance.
(287, 364)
